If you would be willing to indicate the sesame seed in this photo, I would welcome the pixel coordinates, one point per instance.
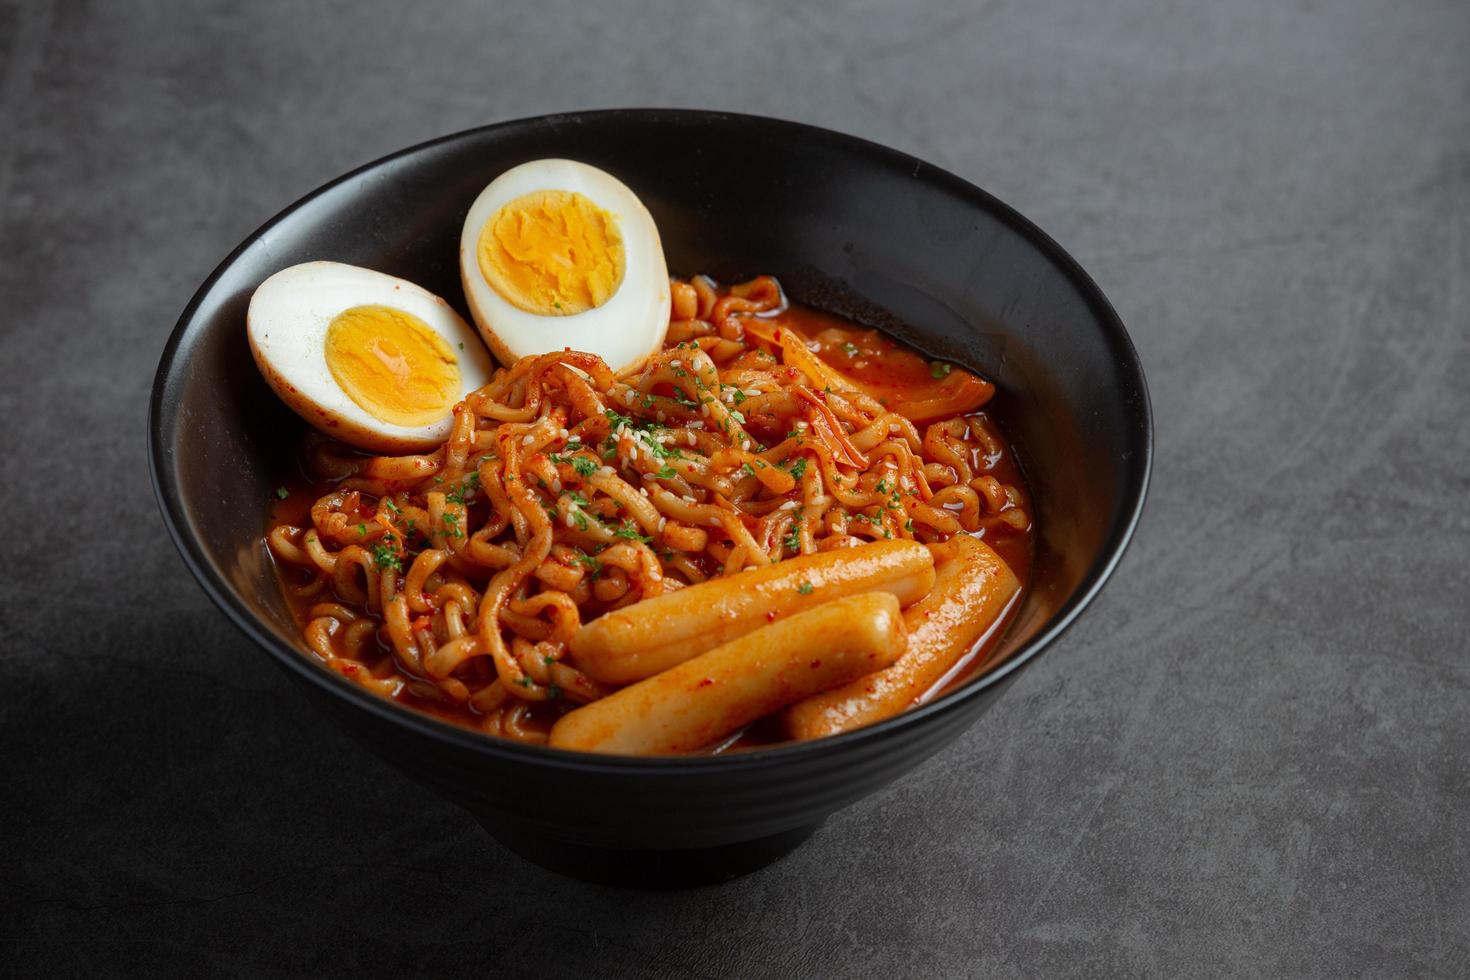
(695, 425)
(527, 440)
(661, 522)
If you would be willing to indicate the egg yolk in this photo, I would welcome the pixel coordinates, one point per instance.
(552, 253)
(392, 365)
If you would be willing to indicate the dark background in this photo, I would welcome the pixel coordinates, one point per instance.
(1250, 757)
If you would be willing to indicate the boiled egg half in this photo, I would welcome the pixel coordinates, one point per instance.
(557, 254)
(371, 359)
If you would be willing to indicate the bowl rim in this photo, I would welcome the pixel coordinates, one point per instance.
(1138, 470)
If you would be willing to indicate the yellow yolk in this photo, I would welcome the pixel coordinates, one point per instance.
(552, 253)
(392, 365)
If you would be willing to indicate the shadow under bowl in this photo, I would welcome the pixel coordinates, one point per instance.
(847, 226)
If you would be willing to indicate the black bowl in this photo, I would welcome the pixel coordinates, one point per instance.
(846, 225)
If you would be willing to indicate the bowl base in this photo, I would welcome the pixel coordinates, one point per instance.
(687, 868)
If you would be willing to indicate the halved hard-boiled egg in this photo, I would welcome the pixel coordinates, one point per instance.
(369, 358)
(558, 254)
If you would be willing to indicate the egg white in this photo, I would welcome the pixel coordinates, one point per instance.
(287, 325)
(622, 331)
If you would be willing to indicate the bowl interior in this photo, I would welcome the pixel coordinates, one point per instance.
(845, 225)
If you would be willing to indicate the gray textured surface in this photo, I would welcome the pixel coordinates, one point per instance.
(1249, 758)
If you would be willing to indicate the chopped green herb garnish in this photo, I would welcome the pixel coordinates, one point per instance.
(908, 525)
(552, 692)
(593, 566)
(616, 418)
(385, 556)
(882, 486)
(850, 349)
(629, 532)
(798, 469)
(792, 541)
(939, 369)
(805, 588)
(282, 493)
(583, 466)
(465, 490)
(746, 469)
(666, 473)
(451, 525)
